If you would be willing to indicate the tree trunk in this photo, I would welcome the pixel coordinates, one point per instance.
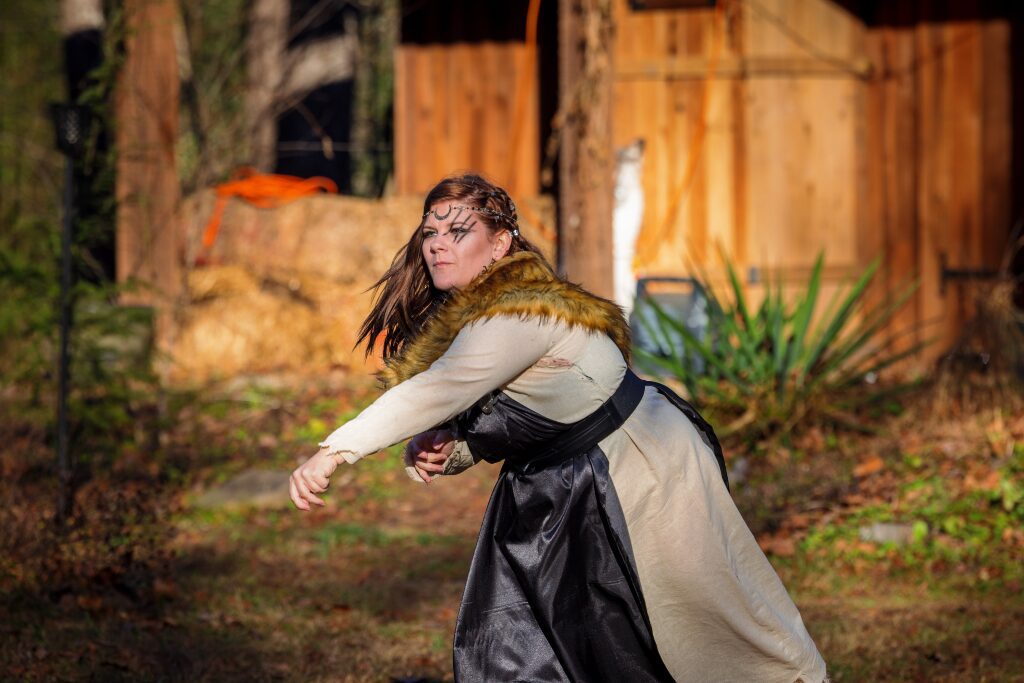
(302, 59)
(149, 250)
(586, 163)
(265, 49)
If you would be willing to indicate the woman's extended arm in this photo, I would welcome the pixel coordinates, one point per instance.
(484, 356)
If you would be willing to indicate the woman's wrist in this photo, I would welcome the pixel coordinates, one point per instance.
(327, 451)
(339, 455)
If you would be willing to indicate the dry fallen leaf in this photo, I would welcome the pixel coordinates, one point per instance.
(165, 588)
(982, 481)
(797, 520)
(783, 546)
(91, 603)
(869, 466)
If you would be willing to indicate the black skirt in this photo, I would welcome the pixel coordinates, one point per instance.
(553, 592)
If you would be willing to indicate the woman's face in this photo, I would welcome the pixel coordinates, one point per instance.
(457, 244)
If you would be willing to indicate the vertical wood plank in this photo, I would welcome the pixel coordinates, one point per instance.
(738, 131)
(871, 219)
(454, 111)
(963, 107)
(995, 189)
(899, 172)
(931, 157)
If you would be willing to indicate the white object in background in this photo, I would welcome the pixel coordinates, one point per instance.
(626, 220)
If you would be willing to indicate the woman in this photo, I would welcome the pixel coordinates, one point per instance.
(610, 548)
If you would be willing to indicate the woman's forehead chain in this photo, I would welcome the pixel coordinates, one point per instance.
(508, 220)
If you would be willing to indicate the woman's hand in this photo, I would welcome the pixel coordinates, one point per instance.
(311, 478)
(427, 452)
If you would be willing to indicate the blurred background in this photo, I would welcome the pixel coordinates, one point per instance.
(810, 209)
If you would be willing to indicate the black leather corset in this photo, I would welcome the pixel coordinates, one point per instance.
(498, 427)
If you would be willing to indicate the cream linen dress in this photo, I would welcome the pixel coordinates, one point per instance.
(717, 609)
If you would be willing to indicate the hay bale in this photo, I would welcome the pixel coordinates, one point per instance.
(349, 240)
(204, 284)
(346, 239)
(257, 332)
(286, 288)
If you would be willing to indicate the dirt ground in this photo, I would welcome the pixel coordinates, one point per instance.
(367, 589)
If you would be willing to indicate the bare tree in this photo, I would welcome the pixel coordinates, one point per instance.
(268, 37)
(283, 71)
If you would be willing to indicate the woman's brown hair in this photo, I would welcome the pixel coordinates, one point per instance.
(404, 297)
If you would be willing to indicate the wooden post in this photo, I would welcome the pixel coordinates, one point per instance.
(148, 193)
(586, 165)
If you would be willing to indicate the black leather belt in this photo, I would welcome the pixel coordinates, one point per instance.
(589, 431)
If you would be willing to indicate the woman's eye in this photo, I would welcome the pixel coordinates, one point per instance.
(429, 233)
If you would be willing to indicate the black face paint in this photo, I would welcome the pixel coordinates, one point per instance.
(461, 226)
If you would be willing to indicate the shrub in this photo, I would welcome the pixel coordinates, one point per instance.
(760, 373)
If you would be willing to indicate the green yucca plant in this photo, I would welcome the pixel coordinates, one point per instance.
(761, 372)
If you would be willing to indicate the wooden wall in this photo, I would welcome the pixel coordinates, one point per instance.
(787, 128)
(752, 141)
(938, 148)
(455, 110)
(774, 128)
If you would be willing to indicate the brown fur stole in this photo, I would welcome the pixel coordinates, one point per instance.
(521, 285)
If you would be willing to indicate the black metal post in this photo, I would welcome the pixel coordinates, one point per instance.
(64, 464)
(71, 125)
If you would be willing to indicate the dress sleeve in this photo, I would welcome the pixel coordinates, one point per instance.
(484, 356)
(460, 460)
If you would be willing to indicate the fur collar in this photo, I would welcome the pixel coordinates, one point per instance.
(522, 285)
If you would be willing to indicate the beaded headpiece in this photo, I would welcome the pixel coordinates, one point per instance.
(513, 226)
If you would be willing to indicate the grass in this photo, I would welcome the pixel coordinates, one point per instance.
(368, 588)
(901, 634)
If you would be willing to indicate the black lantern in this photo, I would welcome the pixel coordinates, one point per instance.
(71, 125)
